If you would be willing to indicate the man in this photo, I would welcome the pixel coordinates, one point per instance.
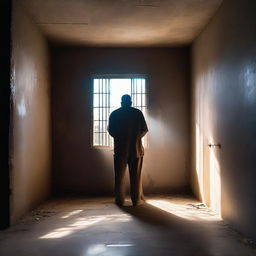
(127, 126)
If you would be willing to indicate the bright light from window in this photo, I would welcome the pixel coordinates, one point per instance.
(118, 87)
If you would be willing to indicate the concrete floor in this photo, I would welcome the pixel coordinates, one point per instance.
(82, 227)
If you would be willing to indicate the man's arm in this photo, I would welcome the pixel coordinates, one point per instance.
(144, 127)
(111, 126)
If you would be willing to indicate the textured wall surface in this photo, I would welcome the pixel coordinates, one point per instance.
(224, 97)
(79, 167)
(30, 127)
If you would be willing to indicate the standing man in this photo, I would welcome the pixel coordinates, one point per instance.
(127, 126)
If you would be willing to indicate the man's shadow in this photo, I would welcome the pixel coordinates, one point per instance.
(188, 237)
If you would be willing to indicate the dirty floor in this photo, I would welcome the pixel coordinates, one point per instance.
(177, 226)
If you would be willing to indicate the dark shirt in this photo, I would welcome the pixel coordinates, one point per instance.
(127, 126)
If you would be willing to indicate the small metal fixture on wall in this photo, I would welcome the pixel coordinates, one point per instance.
(214, 145)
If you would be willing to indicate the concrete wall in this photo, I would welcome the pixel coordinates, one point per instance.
(30, 126)
(224, 103)
(77, 166)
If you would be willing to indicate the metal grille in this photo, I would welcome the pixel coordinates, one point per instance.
(107, 93)
(138, 94)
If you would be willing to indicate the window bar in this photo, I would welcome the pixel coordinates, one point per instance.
(132, 93)
(102, 111)
(132, 90)
(145, 96)
(135, 100)
(101, 118)
(138, 93)
(109, 139)
(141, 94)
(137, 96)
(93, 127)
(107, 113)
(105, 110)
(109, 108)
(99, 113)
(99, 109)
(135, 91)
(98, 123)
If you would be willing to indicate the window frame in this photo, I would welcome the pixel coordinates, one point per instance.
(113, 76)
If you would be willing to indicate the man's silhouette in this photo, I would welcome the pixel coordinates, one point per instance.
(127, 126)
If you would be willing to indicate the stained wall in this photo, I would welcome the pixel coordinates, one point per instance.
(77, 166)
(30, 115)
(224, 112)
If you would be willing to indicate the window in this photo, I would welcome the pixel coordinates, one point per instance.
(107, 93)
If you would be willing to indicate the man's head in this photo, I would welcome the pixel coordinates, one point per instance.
(126, 100)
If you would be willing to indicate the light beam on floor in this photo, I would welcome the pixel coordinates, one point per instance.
(188, 211)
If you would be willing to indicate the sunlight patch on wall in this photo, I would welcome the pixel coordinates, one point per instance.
(199, 161)
(215, 182)
(21, 108)
(160, 132)
(249, 81)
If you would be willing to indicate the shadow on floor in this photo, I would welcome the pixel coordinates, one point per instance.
(185, 234)
(152, 215)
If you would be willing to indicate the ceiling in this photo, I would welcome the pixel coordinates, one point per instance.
(122, 22)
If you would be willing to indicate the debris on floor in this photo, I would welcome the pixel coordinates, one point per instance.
(197, 205)
(40, 214)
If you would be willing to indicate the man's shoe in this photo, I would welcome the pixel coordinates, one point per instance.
(119, 202)
(140, 202)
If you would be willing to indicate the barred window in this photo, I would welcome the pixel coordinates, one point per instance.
(107, 93)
